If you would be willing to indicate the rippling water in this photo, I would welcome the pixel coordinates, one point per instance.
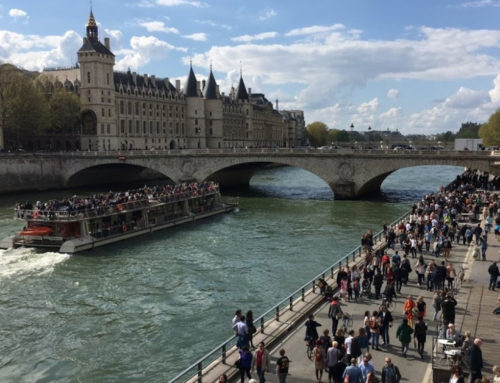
(146, 308)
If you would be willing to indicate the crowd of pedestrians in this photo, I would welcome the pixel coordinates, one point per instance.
(422, 244)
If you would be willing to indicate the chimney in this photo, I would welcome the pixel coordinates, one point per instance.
(203, 84)
(249, 92)
(134, 76)
(178, 85)
(106, 43)
(217, 89)
(197, 85)
(277, 104)
(84, 40)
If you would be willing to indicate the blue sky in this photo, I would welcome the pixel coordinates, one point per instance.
(416, 66)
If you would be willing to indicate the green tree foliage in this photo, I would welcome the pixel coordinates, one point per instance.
(64, 112)
(490, 132)
(317, 133)
(447, 136)
(337, 135)
(469, 130)
(25, 111)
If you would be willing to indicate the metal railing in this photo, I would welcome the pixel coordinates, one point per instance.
(196, 369)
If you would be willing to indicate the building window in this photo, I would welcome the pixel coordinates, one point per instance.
(107, 78)
(108, 129)
(88, 77)
(102, 128)
(196, 121)
(103, 112)
(129, 127)
(137, 127)
(122, 126)
(122, 107)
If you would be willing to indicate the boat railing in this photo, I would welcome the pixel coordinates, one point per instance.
(196, 369)
(43, 215)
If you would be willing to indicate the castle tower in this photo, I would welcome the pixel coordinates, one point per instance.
(97, 91)
(213, 114)
(195, 113)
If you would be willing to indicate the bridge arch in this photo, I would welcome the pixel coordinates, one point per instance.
(111, 173)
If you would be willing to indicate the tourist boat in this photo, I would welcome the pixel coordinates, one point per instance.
(70, 230)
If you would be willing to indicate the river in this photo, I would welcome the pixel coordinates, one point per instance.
(146, 308)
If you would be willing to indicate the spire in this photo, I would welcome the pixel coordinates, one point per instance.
(190, 89)
(211, 88)
(92, 32)
(241, 93)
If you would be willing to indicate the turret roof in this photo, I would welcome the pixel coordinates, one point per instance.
(211, 88)
(190, 89)
(241, 93)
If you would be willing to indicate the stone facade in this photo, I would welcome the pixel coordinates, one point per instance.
(125, 110)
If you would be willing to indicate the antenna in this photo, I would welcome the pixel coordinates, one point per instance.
(241, 69)
(90, 1)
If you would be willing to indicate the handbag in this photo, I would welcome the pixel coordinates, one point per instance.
(237, 363)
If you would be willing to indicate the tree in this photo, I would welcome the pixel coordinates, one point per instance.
(317, 133)
(490, 132)
(64, 112)
(469, 130)
(337, 135)
(25, 111)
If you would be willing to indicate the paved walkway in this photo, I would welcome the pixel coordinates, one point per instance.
(474, 312)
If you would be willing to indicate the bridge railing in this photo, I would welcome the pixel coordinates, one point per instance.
(196, 369)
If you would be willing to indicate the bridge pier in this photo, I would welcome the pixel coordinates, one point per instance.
(343, 190)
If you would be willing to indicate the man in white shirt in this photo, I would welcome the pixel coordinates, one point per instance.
(348, 344)
(241, 330)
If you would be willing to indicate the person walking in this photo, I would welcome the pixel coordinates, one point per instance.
(366, 369)
(476, 360)
(362, 340)
(311, 331)
(333, 355)
(408, 309)
(386, 322)
(420, 335)
(436, 303)
(334, 312)
(261, 362)
(457, 375)
(241, 330)
(282, 366)
(245, 363)
(403, 333)
(448, 308)
(375, 329)
(390, 372)
(352, 374)
(251, 327)
(378, 280)
(319, 356)
(494, 273)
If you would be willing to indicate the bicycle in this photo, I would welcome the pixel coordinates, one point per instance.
(388, 302)
(309, 347)
(346, 322)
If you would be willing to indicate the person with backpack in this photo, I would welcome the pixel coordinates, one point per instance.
(404, 335)
(390, 372)
(420, 335)
(494, 273)
(374, 324)
(319, 357)
(334, 312)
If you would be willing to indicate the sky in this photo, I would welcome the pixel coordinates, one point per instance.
(417, 66)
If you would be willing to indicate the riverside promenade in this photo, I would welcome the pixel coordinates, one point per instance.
(473, 312)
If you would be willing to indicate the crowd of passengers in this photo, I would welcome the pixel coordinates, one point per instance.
(115, 200)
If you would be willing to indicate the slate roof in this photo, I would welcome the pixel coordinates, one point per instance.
(241, 93)
(92, 45)
(126, 79)
(211, 88)
(190, 89)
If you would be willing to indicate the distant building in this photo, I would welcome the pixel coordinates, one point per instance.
(125, 110)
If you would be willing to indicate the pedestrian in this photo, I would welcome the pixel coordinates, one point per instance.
(311, 331)
(420, 335)
(348, 344)
(496, 372)
(429, 275)
(335, 312)
(362, 340)
(261, 362)
(494, 273)
(378, 279)
(476, 360)
(451, 274)
(436, 303)
(222, 379)
(352, 374)
(245, 363)
(375, 329)
(366, 368)
(237, 316)
(251, 327)
(338, 372)
(319, 357)
(340, 338)
(421, 307)
(420, 267)
(325, 339)
(457, 375)
(403, 333)
(408, 309)
(386, 322)
(448, 308)
(241, 330)
(484, 246)
(282, 366)
(390, 372)
(333, 355)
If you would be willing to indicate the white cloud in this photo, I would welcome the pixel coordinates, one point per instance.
(315, 29)
(214, 24)
(116, 37)
(197, 36)
(143, 50)
(393, 93)
(158, 26)
(172, 3)
(18, 14)
(481, 4)
(268, 13)
(259, 36)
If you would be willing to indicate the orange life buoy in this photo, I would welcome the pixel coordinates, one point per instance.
(124, 227)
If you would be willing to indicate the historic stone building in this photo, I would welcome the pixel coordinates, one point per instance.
(125, 110)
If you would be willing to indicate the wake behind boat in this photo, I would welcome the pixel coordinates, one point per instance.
(83, 223)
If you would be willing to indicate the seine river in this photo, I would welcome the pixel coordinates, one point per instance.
(145, 309)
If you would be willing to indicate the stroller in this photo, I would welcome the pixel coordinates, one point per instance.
(366, 288)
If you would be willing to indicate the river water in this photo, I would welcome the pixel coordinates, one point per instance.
(146, 308)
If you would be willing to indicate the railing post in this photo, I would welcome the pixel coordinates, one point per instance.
(303, 294)
(200, 370)
(223, 354)
(331, 272)
(314, 286)
(354, 256)
(277, 313)
(262, 325)
(291, 303)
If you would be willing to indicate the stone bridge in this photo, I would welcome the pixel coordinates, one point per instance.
(350, 173)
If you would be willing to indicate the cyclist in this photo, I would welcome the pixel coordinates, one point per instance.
(311, 331)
